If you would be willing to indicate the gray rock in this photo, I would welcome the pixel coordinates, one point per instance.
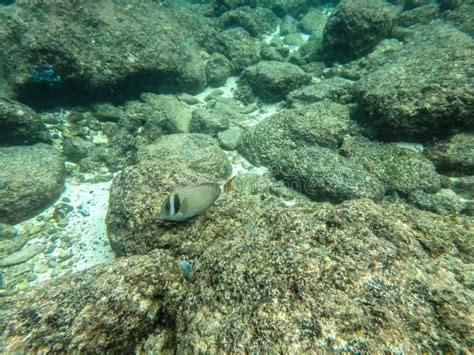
(188, 99)
(76, 149)
(288, 25)
(10, 246)
(337, 89)
(31, 178)
(461, 16)
(444, 202)
(153, 116)
(238, 46)
(194, 151)
(218, 69)
(420, 15)
(294, 39)
(106, 112)
(324, 123)
(230, 138)
(217, 116)
(308, 53)
(209, 122)
(314, 22)
(102, 301)
(301, 271)
(324, 175)
(464, 186)
(257, 21)
(402, 170)
(354, 28)
(7, 231)
(158, 48)
(24, 254)
(419, 105)
(279, 7)
(19, 124)
(454, 155)
(273, 81)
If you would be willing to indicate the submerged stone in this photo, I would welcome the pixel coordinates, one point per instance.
(25, 254)
(31, 178)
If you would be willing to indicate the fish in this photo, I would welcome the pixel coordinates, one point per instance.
(191, 201)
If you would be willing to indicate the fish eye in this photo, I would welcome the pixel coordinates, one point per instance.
(168, 205)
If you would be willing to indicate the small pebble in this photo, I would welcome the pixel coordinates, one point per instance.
(41, 268)
(34, 230)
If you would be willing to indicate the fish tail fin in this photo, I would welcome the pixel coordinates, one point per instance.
(229, 185)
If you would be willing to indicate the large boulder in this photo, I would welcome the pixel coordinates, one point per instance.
(454, 155)
(108, 307)
(31, 178)
(73, 54)
(324, 123)
(19, 124)
(324, 175)
(218, 115)
(267, 277)
(256, 22)
(237, 46)
(196, 151)
(425, 88)
(402, 170)
(273, 81)
(354, 28)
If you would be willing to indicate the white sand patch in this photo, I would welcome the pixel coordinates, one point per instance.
(417, 147)
(268, 39)
(228, 89)
(88, 220)
(83, 242)
(256, 117)
(240, 165)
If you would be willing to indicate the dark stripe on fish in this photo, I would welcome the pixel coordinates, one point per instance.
(177, 203)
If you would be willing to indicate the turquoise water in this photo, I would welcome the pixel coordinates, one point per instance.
(344, 131)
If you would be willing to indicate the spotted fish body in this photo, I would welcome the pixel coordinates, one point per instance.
(189, 202)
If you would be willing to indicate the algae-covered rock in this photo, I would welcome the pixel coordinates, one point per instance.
(454, 155)
(107, 308)
(459, 15)
(344, 276)
(402, 170)
(218, 115)
(31, 178)
(288, 25)
(403, 99)
(324, 175)
(218, 69)
(354, 28)
(273, 81)
(199, 152)
(19, 124)
(67, 55)
(324, 123)
(256, 21)
(336, 89)
(238, 46)
(314, 22)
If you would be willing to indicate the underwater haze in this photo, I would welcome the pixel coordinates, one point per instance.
(236, 176)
